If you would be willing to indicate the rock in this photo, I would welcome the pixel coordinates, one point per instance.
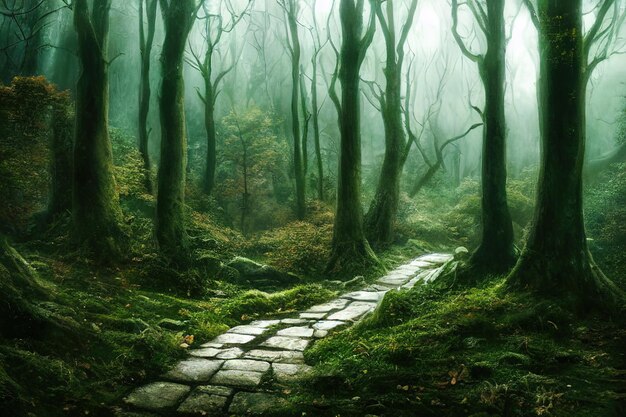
(233, 339)
(281, 356)
(237, 378)
(205, 400)
(393, 281)
(328, 324)
(157, 396)
(422, 264)
(231, 353)
(294, 321)
(314, 316)
(171, 324)
(353, 312)
(296, 332)
(248, 330)
(194, 370)
(337, 304)
(286, 343)
(246, 365)
(436, 258)
(252, 271)
(363, 296)
(461, 253)
(255, 404)
(285, 372)
(205, 352)
(320, 333)
(264, 323)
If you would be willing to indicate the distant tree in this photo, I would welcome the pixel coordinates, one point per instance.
(178, 18)
(252, 154)
(146, 41)
(291, 11)
(96, 211)
(381, 218)
(349, 245)
(496, 253)
(556, 259)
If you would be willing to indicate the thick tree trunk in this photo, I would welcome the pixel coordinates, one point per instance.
(95, 209)
(170, 224)
(556, 259)
(496, 253)
(211, 136)
(145, 92)
(349, 245)
(316, 132)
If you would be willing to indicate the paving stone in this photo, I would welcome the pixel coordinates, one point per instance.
(436, 258)
(205, 352)
(353, 312)
(314, 316)
(255, 404)
(363, 296)
(286, 343)
(328, 324)
(233, 339)
(294, 321)
(392, 281)
(206, 400)
(237, 378)
(281, 356)
(320, 333)
(194, 370)
(285, 372)
(406, 269)
(246, 365)
(337, 304)
(422, 264)
(300, 331)
(213, 345)
(264, 323)
(249, 330)
(157, 396)
(231, 353)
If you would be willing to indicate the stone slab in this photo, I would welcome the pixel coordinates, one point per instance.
(264, 323)
(286, 343)
(436, 258)
(353, 312)
(255, 404)
(363, 295)
(328, 324)
(314, 316)
(157, 395)
(285, 372)
(204, 401)
(246, 365)
(299, 331)
(194, 370)
(337, 304)
(233, 339)
(249, 330)
(281, 356)
(237, 378)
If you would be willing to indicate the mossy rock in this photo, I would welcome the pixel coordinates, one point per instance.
(512, 358)
(252, 271)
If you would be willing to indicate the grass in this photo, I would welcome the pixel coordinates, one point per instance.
(476, 352)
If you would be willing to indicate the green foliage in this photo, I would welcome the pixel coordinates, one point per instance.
(128, 167)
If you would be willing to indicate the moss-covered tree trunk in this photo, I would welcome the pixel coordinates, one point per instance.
(556, 259)
(349, 244)
(211, 134)
(496, 252)
(95, 202)
(178, 18)
(381, 217)
(146, 41)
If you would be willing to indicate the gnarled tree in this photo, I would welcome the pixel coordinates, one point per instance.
(349, 244)
(381, 217)
(556, 259)
(496, 253)
(95, 203)
(178, 18)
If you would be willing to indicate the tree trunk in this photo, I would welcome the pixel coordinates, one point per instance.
(349, 245)
(95, 203)
(556, 260)
(211, 136)
(496, 253)
(170, 224)
(144, 88)
(295, 118)
(316, 132)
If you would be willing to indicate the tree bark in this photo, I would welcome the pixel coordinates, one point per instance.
(95, 202)
(145, 46)
(349, 244)
(170, 213)
(556, 260)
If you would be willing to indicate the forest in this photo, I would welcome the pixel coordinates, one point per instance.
(373, 208)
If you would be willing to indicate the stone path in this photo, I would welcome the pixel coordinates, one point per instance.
(242, 371)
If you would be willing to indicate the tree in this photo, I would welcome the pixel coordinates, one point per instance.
(556, 259)
(381, 217)
(213, 31)
(145, 49)
(96, 211)
(496, 253)
(291, 9)
(178, 18)
(349, 245)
